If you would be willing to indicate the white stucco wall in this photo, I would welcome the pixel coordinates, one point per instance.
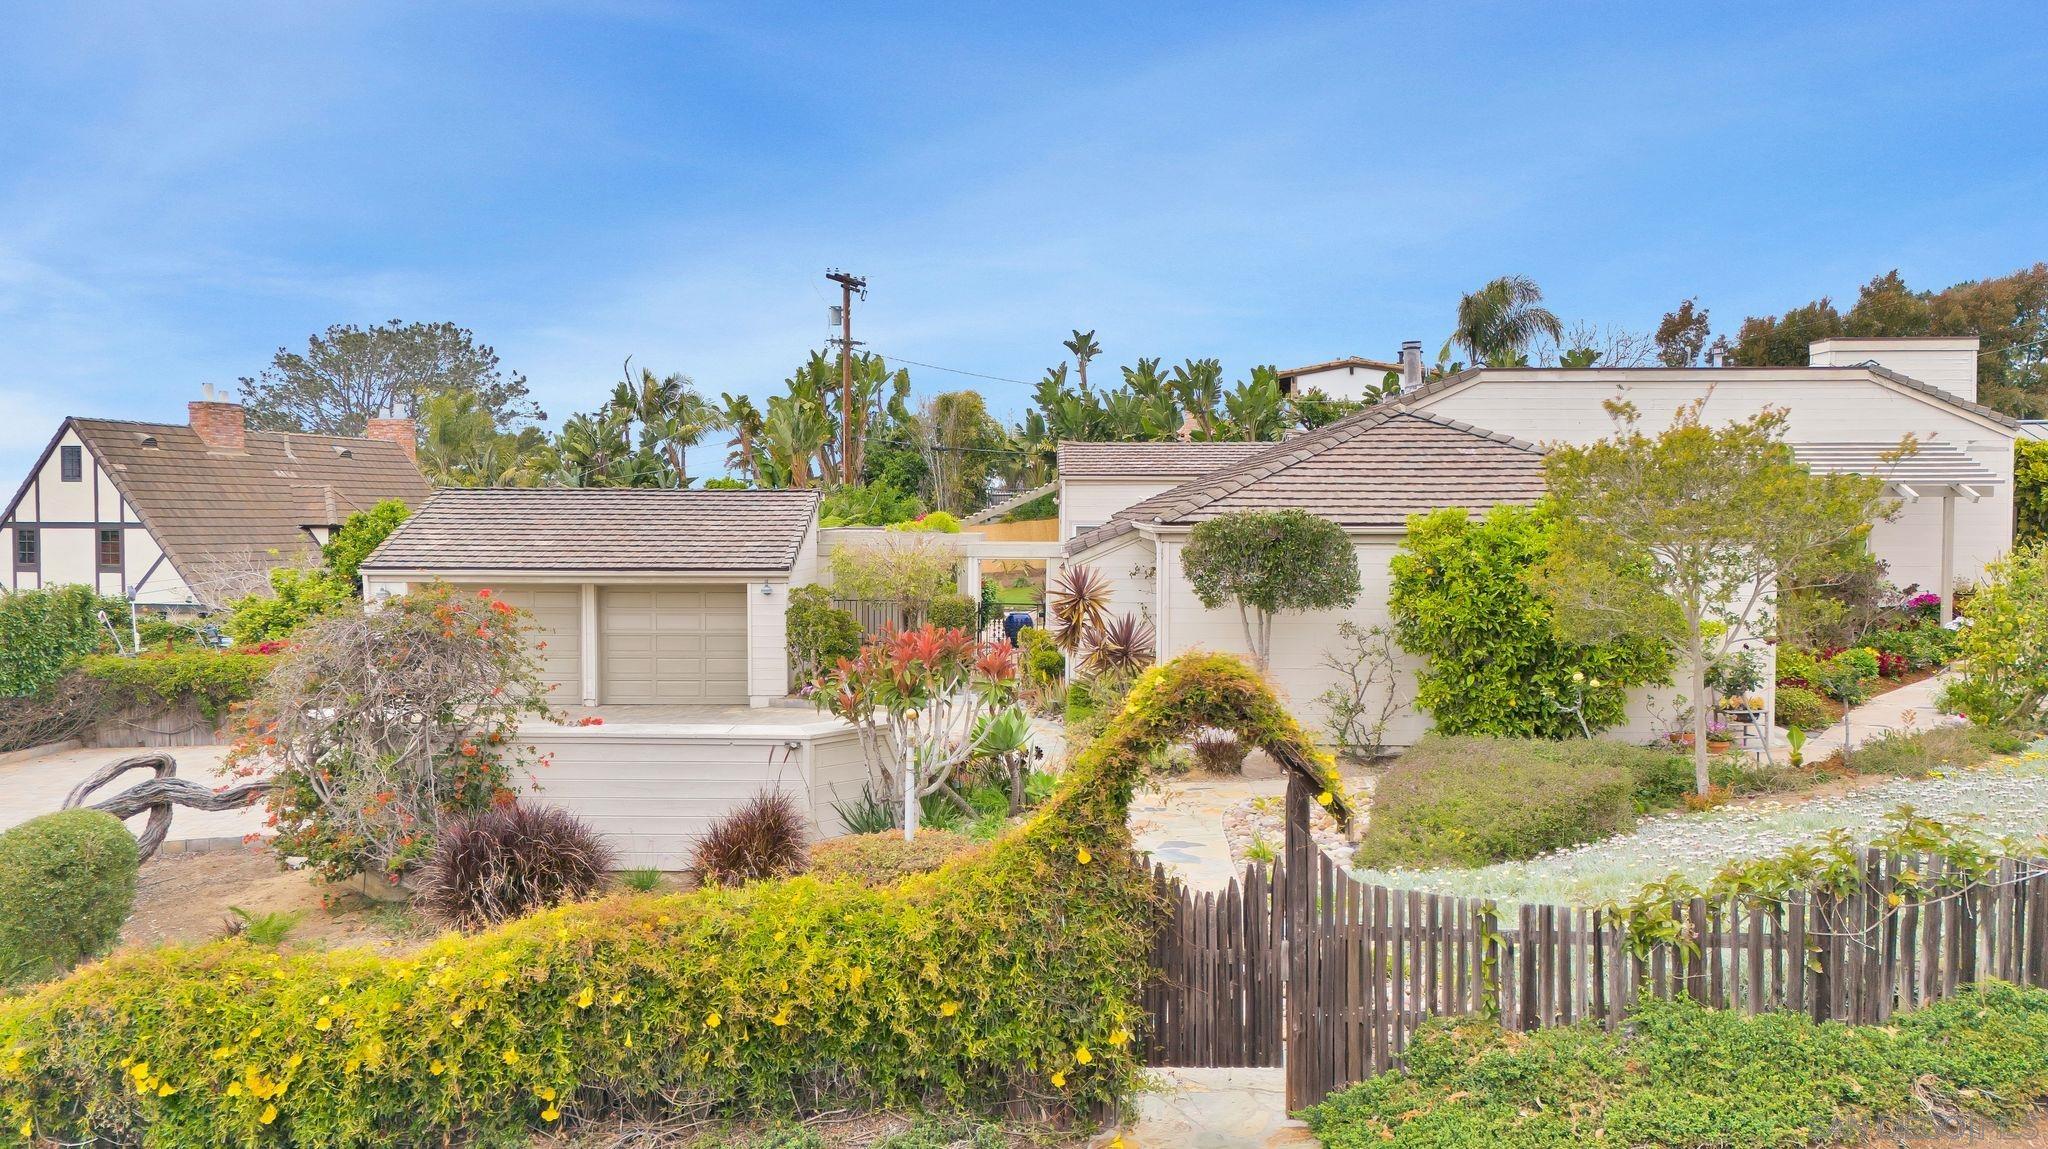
(1340, 382)
(1841, 407)
(1088, 503)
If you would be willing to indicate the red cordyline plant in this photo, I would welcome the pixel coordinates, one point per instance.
(378, 726)
(918, 698)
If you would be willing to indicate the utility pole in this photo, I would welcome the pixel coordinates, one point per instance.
(849, 452)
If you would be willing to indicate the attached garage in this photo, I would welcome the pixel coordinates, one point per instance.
(684, 645)
(557, 634)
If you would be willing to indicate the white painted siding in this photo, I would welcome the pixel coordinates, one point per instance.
(1128, 564)
(838, 772)
(768, 640)
(1340, 382)
(1088, 503)
(1565, 407)
(652, 792)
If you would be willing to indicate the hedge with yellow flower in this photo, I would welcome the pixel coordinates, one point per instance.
(1009, 976)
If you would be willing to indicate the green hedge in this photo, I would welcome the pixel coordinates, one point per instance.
(42, 632)
(1013, 975)
(1798, 706)
(215, 679)
(1475, 801)
(67, 881)
(1686, 1075)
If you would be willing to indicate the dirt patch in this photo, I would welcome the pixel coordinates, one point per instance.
(831, 1131)
(185, 898)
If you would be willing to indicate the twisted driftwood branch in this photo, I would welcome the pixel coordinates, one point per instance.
(159, 796)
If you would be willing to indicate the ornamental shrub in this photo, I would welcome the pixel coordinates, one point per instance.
(67, 881)
(2003, 652)
(820, 634)
(1467, 801)
(356, 537)
(1797, 667)
(767, 836)
(1012, 974)
(378, 726)
(953, 612)
(1921, 646)
(937, 522)
(298, 596)
(2029, 491)
(43, 631)
(1683, 1074)
(883, 858)
(215, 679)
(1040, 658)
(1800, 707)
(1494, 663)
(510, 861)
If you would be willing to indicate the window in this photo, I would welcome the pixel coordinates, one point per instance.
(72, 459)
(28, 547)
(110, 549)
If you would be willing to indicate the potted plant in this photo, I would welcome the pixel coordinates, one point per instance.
(1719, 740)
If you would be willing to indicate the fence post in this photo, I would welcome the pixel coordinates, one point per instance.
(1299, 852)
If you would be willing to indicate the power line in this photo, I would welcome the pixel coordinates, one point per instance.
(952, 370)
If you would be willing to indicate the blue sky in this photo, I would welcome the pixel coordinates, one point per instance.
(184, 188)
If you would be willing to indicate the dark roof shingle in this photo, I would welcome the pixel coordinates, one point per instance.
(1171, 459)
(601, 529)
(209, 507)
(1372, 469)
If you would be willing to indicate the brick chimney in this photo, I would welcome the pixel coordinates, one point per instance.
(389, 429)
(220, 425)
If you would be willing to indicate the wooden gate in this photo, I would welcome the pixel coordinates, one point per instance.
(1303, 965)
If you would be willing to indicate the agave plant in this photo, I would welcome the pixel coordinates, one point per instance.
(1079, 606)
(1120, 648)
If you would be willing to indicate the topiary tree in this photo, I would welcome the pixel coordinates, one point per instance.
(378, 726)
(67, 882)
(1267, 562)
(2003, 652)
(1494, 661)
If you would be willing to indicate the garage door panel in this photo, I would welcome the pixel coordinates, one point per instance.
(557, 622)
(674, 644)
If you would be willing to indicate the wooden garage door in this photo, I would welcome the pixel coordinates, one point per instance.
(558, 621)
(673, 644)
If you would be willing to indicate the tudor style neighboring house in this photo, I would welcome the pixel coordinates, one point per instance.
(1367, 472)
(184, 517)
(642, 597)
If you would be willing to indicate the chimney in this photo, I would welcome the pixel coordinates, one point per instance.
(389, 429)
(1411, 365)
(220, 425)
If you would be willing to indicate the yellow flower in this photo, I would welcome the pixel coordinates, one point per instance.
(1120, 1038)
(457, 1018)
(324, 1024)
(584, 999)
(164, 1089)
(438, 1068)
(347, 981)
(28, 1128)
(948, 1009)
(269, 1114)
(139, 1070)
(712, 1020)
(545, 1093)
(1059, 1079)
(550, 1113)
(618, 996)
(1325, 798)
(1083, 1056)
(511, 1056)
(500, 978)
(780, 934)
(1083, 856)
(234, 1089)
(629, 1041)
(296, 1060)
(781, 1016)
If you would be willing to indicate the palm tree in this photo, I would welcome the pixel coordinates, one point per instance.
(1198, 384)
(672, 418)
(1084, 347)
(1501, 321)
(739, 415)
(792, 435)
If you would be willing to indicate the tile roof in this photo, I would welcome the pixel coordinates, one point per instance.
(207, 507)
(601, 529)
(1371, 469)
(1172, 459)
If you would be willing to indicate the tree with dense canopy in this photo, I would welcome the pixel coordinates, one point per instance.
(1683, 536)
(349, 374)
(1266, 562)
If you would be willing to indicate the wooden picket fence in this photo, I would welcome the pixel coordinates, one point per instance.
(1330, 977)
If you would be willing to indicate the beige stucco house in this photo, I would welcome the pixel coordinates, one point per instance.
(186, 516)
(1475, 439)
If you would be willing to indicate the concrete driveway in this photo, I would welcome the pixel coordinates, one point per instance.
(38, 786)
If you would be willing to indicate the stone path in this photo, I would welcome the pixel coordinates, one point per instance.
(39, 785)
(1910, 707)
(1214, 1109)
